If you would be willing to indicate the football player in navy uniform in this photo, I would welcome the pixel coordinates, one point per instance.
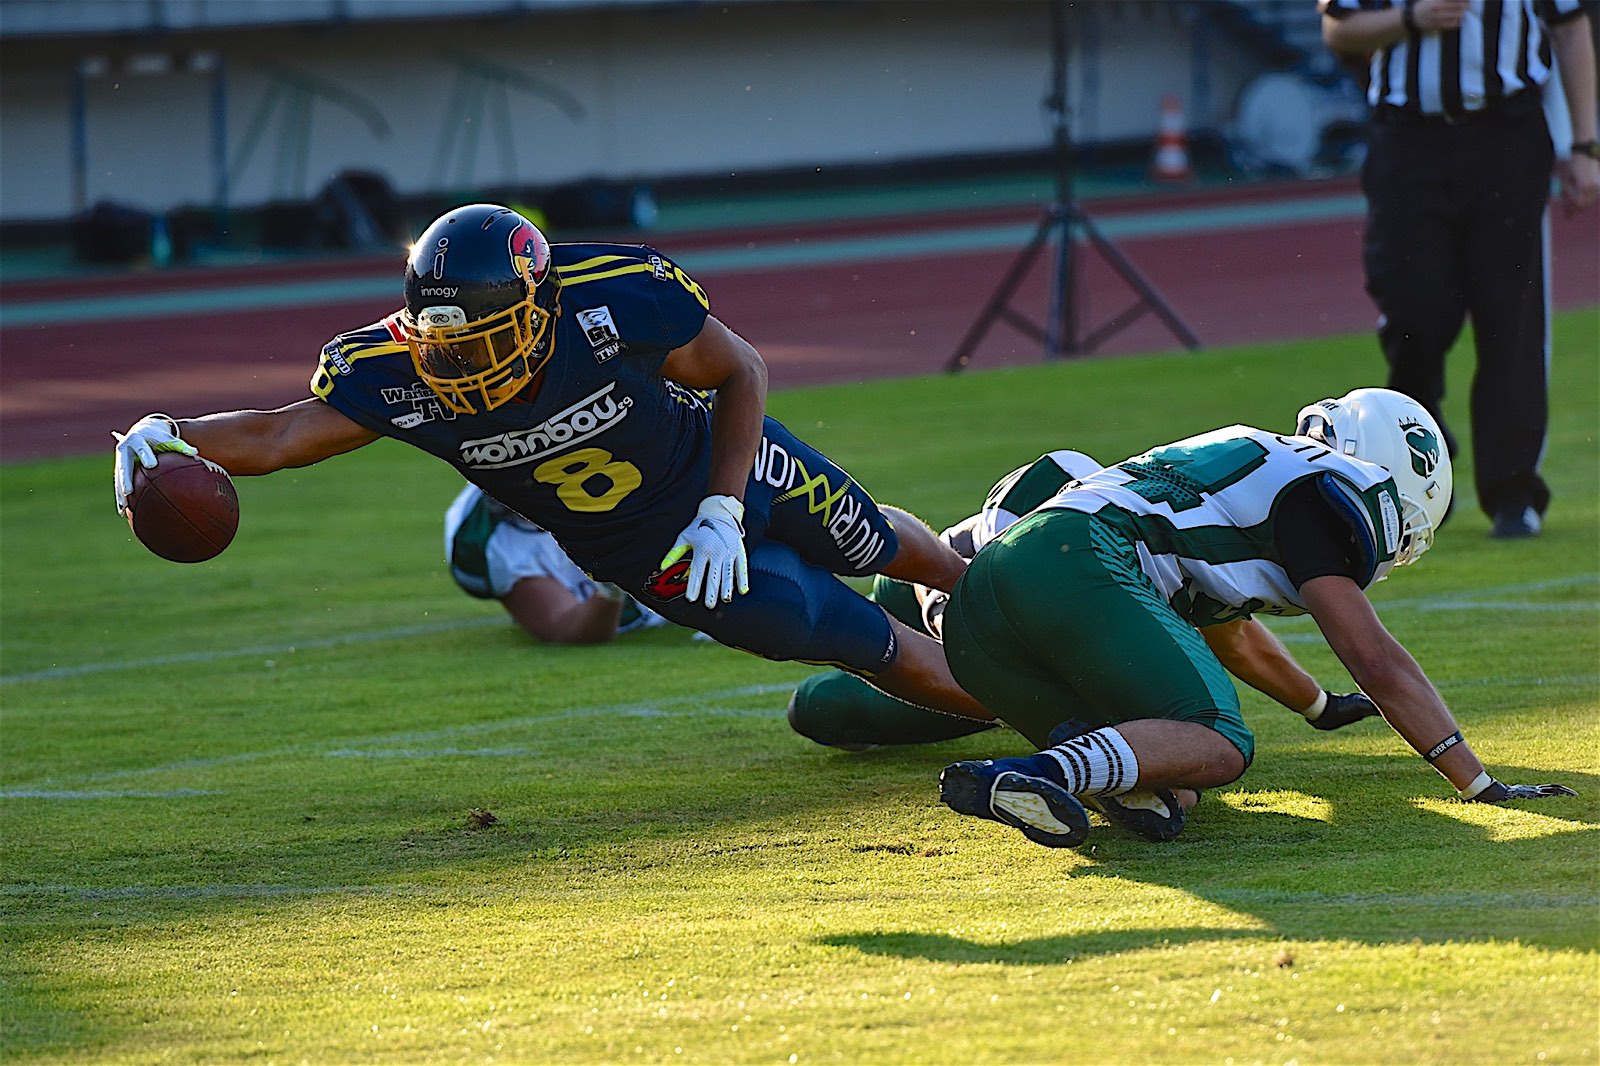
(573, 383)
(1121, 692)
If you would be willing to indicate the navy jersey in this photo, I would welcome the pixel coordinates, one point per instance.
(608, 455)
(613, 459)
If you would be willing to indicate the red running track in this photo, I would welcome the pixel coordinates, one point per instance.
(65, 387)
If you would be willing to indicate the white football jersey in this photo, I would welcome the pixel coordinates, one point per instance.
(1201, 514)
(507, 548)
(1026, 488)
(1012, 496)
(490, 549)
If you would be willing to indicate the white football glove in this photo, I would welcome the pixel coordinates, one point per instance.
(151, 434)
(716, 539)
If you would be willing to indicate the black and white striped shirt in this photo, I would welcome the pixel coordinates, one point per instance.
(1502, 48)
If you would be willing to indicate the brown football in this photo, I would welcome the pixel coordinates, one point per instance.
(184, 508)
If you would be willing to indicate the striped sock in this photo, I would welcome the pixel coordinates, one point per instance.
(1092, 764)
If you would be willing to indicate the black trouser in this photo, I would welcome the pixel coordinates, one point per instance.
(1455, 226)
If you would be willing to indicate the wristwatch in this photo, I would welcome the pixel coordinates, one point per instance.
(1588, 148)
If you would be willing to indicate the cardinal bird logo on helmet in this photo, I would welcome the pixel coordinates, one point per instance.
(530, 254)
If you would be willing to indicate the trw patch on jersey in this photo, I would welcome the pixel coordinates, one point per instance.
(601, 331)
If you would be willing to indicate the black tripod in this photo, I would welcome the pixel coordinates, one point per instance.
(1062, 218)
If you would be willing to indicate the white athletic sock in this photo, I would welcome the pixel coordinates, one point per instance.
(1096, 764)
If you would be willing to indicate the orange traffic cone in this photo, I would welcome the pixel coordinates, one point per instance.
(1172, 143)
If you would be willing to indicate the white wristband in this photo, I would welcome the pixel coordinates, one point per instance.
(725, 505)
(1479, 783)
(1313, 712)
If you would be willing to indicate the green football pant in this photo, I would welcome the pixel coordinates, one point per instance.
(899, 599)
(842, 711)
(1056, 620)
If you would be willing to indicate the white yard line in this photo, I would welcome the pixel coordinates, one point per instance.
(103, 793)
(84, 669)
(1451, 603)
(418, 744)
(187, 892)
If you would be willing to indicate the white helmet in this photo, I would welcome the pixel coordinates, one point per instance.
(1395, 432)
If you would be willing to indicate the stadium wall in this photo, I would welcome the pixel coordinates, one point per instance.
(625, 94)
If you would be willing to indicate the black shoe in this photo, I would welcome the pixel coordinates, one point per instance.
(1514, 523)
(1045, 812)
(1153, 815)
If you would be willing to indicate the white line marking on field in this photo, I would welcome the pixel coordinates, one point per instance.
(430, 753)
(1570, 680)
(1471, 602)
(1585, 607)
(96, 794)
(184, 892)
(1249, 897)
(695, 704)
(83, 669)
(1476, 600)
(1453, 603)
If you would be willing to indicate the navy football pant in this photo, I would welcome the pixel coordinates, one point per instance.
(806, 521)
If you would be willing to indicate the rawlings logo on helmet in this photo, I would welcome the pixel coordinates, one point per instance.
(1423, 446)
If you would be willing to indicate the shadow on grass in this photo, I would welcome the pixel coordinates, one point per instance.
(1376, 866)
(1037, 951)
(1390, 865)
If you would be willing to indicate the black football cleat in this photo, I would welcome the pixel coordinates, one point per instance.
(1155, 816)
(1045, 812)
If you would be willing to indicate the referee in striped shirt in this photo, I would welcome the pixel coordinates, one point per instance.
(1457, 177)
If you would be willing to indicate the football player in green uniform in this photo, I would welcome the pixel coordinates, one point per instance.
(495, 553)
(839, 710)
(836, 709)
(1122, 694)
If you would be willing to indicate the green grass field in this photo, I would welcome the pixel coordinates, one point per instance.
(243, 802)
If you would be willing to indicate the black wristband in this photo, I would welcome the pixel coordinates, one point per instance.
(1433, 753)
(1588, 148)
(1408, 16)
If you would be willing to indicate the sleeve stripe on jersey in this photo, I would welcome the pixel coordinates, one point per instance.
(364, 351)
(597, 261)
(635, 268)
(337, 355)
